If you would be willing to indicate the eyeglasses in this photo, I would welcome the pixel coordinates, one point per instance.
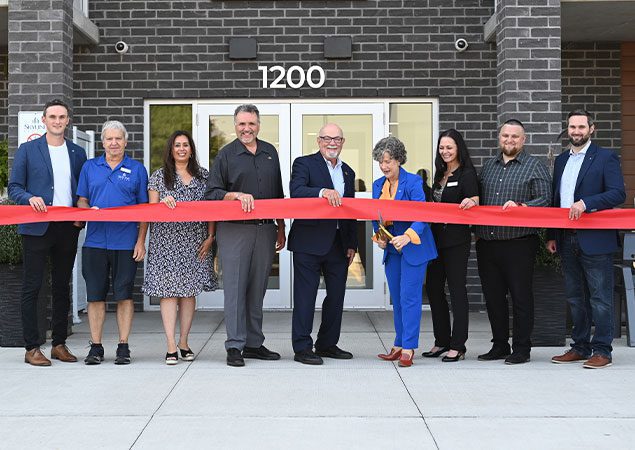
(337, 139)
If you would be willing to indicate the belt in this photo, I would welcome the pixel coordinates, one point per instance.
(254, 221)
(570, 231)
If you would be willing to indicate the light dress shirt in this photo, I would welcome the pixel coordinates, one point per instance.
(570, 176)
(337, 176)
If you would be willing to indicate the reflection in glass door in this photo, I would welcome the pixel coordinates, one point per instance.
(215, 130)
(362, 125)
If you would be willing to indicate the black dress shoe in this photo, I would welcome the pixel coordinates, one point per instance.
(308, 357)
(517, 358)
(235, 358)
(459, 356)
(494, 354)
(334, 352)
(436, 354)
(261, 352)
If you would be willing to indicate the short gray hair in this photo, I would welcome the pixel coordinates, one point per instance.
(247, 108)
(113, 125)
(391, 145)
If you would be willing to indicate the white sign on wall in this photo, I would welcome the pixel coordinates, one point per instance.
(30, 126)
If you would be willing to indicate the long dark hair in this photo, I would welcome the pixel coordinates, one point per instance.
(462, 155)
(169, 166)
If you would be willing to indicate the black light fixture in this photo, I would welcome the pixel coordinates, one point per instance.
(243, 48)
(338, 47)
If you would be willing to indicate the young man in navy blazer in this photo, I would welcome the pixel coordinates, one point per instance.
(45, 173)
(587, 178)
(321, 246)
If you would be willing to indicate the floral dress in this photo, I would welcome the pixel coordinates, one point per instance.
(173, 268)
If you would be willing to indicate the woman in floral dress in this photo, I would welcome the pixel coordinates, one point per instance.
(180, 260)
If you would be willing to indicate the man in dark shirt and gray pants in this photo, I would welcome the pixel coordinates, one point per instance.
(246, 169)
(506, 254)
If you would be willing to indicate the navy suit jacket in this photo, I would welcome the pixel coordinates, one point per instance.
(308, 176)
(32, 176)
(600, 185)
(409, 188)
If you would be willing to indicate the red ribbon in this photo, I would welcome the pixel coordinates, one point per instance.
(316, 208)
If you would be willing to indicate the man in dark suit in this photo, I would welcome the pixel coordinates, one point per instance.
(324, 247)
(587, 178)
(45, 173)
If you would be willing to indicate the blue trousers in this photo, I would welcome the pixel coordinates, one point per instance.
(405, 283)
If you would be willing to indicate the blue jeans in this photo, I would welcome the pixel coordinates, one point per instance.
(588, 281)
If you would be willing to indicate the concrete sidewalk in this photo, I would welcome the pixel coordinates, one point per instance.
(362, 403)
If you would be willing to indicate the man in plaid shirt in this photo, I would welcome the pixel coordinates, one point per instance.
(506, 255)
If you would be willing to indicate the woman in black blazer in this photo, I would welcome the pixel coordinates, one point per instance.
(455, 181)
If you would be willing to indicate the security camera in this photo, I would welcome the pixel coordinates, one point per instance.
(461, 45)
(121, 47)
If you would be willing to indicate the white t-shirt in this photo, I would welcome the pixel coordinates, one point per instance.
(62, 194)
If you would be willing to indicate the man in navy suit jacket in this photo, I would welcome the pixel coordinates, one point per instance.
(45, 173)
(587, 178)
(321, 246)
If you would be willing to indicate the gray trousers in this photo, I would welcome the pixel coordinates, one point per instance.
(246, 252)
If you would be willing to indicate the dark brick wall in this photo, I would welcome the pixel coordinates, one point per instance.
(40, 57)
(591, 80)
(4, 97)
(179, 49)
(529, 75)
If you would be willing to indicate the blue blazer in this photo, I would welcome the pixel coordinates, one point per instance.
(32, 176)
(410, 188)
(308, 176)
(600, 185)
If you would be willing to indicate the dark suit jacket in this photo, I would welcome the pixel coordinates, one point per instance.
(32, 176)
(308, 176)
(409, 189)
(600, 185)
(463, 183)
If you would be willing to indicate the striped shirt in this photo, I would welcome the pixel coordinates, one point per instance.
(524, 179)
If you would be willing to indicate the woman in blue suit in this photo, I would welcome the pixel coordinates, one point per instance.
(407, 253)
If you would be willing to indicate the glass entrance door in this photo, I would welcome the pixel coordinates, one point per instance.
(292, 128)
(362, 125)
(215, 128)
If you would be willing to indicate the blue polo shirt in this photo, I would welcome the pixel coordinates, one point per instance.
(126, 184)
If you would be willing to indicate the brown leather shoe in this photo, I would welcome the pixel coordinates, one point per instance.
(598, 361)
(394, 355)
(62, 353)
(35, 357)
(569, 357)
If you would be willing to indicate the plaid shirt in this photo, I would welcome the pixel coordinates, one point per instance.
(524, 179)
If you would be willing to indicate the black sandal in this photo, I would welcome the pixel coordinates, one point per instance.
(171, 358)
(187, 355)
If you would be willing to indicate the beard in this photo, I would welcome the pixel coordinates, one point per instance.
(331, 154)
(513, 151)
(579, 142)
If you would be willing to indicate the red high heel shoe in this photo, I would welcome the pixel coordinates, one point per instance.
(394, 355)
(406, 358)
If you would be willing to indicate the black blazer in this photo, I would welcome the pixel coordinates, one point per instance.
(462, 183)
(315, 237)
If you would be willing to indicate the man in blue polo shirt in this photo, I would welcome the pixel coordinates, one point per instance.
(112, 248)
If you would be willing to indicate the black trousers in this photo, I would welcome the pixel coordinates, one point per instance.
(59, 243)
(451, 265)
(306, 273)
(508, 266)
